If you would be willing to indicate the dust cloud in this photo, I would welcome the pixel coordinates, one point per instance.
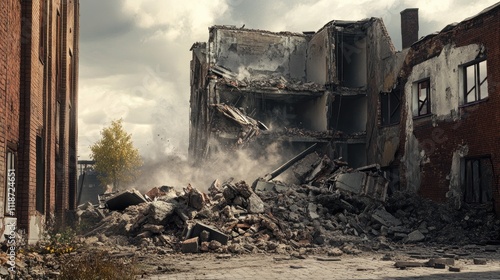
(176, 171)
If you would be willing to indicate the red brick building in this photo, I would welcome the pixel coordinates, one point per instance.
(38, 110)
(449, 147)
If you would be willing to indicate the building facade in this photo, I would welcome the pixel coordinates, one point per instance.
(426, 115)
(449, 120)
(38, 132)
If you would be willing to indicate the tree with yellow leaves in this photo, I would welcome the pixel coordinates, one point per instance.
(116, 159)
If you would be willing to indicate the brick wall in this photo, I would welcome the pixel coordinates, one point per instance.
(36, 62)
(478, 126)
(10, 56)
(409, 27)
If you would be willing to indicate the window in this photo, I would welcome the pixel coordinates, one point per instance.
(475, 81)
(390, 107)
(43, 30)
(478, 180)
(40, 176)
(422, 99)
(58, 121)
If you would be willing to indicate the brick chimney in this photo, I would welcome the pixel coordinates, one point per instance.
(409, 27)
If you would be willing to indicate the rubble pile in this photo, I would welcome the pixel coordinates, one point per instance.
(331, 207)
(272, 84)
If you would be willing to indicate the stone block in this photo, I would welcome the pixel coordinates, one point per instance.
(190, 245)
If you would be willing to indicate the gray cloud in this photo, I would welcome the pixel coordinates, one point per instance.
(134, 54)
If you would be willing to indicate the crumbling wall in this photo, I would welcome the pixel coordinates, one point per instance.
(383, 69)
(199, 101)
(445, 74)
(259, 53)
(440, 138)
(319, 58)
(455, 176)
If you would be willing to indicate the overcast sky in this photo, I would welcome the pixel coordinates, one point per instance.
(134, 54)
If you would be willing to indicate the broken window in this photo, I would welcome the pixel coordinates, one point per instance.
(390, 107)
(422, 99)
(475, 81)
(477, 180)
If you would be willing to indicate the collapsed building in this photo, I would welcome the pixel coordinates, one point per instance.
(295, 89)
(418, 113)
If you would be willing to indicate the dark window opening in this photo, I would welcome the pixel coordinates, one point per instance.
(59, 54)
(390, 107)
(477, 180)
(43, 30)
(422, 99)
(349, 114)
(351, 59)
(475, 82)
(40, 177)
(58, 121)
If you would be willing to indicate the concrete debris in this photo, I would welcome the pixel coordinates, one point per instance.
(408, 264)
(122, 200)
(329, 210)
(242, 195)
(274, 82)
(248, 127)
(159, 192)
(207, 233)
(480, 261)
(190, 245)
(385, 218)
(159, 211)
(195, 198)
(415, 236)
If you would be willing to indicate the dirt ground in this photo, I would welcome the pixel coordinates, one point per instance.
(367, 265)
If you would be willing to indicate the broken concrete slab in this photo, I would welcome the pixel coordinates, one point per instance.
(480, 261)
(190, 245)
(159, 211)
(445, 261)
(120, 201)
(415, 236)
(385, 218)
(403, 264)
(351, 182)
(153, 228)
(263, 185)
(363, 183)
(302, 168)
(255, 204)
(312, 208)
(214, 234)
